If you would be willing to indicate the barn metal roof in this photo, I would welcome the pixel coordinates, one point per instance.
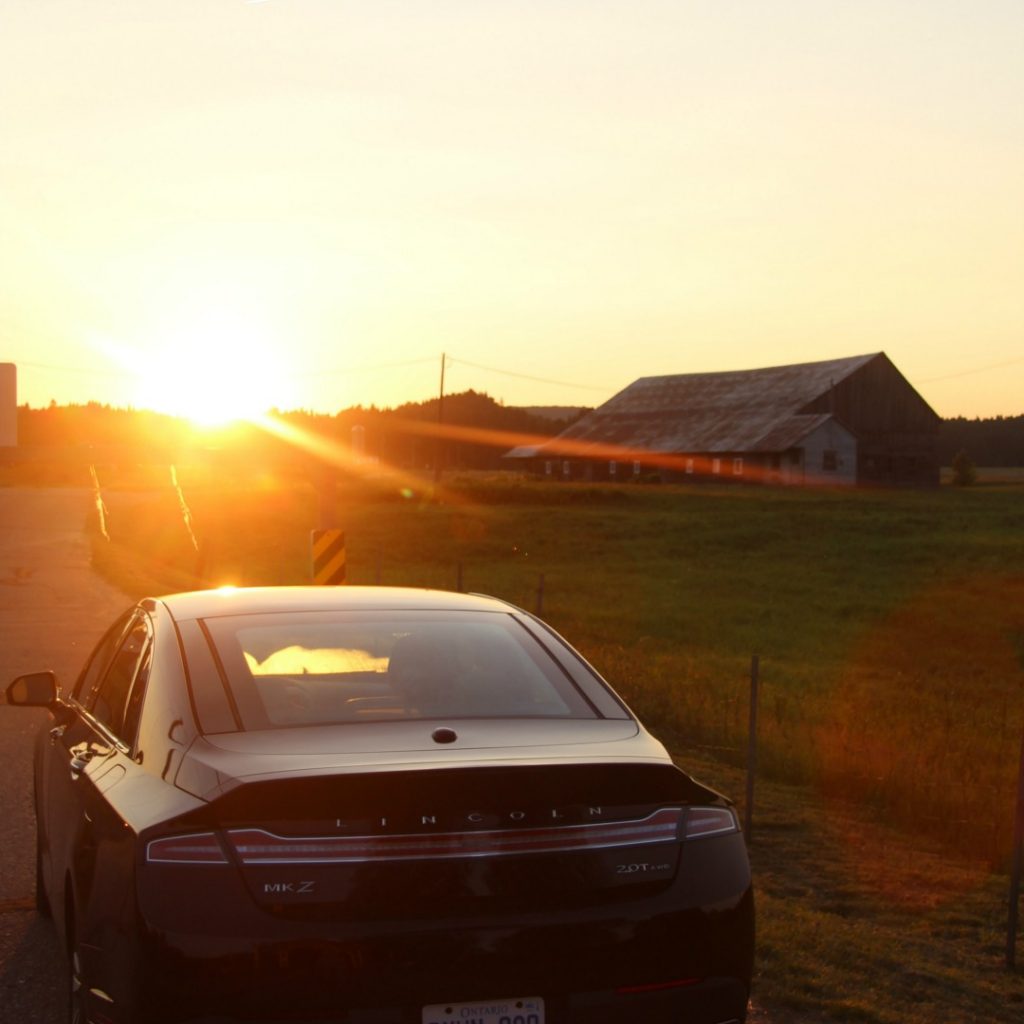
(735, 411)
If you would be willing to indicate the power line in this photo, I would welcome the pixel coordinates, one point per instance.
(976, 369)
(95, 372)
(334, 372)
(526, 376)
(114, 372)
(363, 369)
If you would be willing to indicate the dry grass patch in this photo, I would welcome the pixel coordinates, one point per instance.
(926, 719)
(857, 921)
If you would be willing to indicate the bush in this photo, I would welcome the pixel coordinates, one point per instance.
(964, 473)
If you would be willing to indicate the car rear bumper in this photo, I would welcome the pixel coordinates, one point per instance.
(681, 954)
(691, 967)
(714, 1001)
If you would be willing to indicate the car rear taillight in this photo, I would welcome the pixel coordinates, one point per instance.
(257, 846)
(703, 822)
(198, 848)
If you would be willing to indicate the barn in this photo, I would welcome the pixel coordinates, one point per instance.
(841, 422)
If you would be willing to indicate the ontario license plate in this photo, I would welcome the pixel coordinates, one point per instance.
(495, 1011)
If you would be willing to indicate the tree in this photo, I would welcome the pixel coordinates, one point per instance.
(964, 473)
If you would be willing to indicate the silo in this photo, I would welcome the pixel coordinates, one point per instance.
(8, 405)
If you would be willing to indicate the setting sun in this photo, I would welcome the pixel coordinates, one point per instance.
(219, 368)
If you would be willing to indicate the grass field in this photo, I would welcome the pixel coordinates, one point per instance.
(861, 921)
(890, 625)
(890, 628)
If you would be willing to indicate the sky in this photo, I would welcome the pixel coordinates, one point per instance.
(305, 203)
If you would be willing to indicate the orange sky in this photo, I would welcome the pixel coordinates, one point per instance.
(305, 202)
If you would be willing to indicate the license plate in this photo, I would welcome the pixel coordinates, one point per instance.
(494, 1011)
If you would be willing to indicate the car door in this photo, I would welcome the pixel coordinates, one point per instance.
(57, 792)
(103, 854)
(86, 756)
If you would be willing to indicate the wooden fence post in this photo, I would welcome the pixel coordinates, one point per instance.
(748, 811)
(1018, 857)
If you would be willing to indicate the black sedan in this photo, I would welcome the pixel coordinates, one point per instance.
(374, 806)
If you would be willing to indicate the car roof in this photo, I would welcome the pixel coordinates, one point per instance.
(202, 604)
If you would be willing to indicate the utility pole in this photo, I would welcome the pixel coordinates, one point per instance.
(440, 419)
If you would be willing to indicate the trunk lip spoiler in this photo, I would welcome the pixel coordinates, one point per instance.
(255, 846)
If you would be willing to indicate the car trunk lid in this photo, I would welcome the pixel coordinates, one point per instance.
(456, 840)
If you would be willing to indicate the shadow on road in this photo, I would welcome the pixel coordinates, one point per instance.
(32, 979)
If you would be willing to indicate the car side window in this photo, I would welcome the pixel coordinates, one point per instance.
(98, 661)
(109, 701)
(133, 711)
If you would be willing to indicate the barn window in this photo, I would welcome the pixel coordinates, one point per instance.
(689, 466)
(829, 460)
(737, 467)
(547, 467)
(716, 465)
(636, 469)
(613, 468)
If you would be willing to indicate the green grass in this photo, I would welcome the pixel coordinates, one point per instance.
(890, 627)
(857, 921)
(889, 624)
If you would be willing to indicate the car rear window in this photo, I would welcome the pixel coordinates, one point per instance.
(307, 668)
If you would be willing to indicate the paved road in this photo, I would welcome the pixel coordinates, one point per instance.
(52, 610)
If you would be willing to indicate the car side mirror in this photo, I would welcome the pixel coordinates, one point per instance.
(36, 690)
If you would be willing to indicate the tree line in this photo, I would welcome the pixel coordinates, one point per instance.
(475, 432)
(405, 435)
(998, 441)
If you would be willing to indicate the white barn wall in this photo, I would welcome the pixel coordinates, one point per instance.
(830, 436)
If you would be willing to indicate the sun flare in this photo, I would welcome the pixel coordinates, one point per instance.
(215, 370)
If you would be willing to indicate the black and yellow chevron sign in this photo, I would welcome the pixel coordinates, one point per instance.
(328, 556)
